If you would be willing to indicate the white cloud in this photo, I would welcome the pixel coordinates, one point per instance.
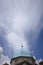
(18, 17)
(34, 57)
(3, 58)
(37, 61)
(26, 18)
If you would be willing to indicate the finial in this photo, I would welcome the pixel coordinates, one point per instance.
(22, 46)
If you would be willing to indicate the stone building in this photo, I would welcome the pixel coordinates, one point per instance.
(5, 64)
(22, 57)
(22, 60)
(41, 63)
(36, 64)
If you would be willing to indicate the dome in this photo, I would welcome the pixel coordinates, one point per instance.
(22, 52)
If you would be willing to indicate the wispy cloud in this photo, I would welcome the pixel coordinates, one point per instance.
(18, 17)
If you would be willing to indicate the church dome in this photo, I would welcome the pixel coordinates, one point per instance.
(22, 52)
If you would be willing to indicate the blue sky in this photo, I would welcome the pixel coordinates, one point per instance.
(21, 22)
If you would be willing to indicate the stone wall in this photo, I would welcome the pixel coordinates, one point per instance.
(22, 59)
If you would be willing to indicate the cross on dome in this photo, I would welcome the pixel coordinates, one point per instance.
(22, 46)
